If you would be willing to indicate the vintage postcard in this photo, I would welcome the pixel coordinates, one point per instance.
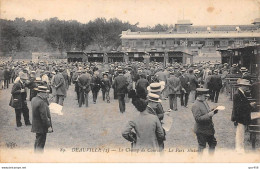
(116, 81)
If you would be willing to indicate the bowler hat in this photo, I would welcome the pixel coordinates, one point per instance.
(201, 91)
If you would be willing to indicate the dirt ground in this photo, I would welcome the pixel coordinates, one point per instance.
(101, 124)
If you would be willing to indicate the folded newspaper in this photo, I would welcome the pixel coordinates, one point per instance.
(56, 109)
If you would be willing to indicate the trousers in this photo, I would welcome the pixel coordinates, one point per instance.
(186, 98)
(40, 142)
(83, 98)
(173, 101)
(105, 95)
(25, 111)
(59, 99)
(240, 136)
(203, 139)
(121, 101)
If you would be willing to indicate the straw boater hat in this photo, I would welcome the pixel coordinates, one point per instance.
(43, 89)
(243, 69)
(155, 87)
(243, 82)
(154, 98)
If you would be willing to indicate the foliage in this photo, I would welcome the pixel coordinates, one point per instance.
(64, 35)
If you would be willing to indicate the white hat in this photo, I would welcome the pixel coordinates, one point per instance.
(155, 87)
(154, 97)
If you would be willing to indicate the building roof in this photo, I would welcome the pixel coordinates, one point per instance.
(257, 20)
(183, 22)
(165, 35)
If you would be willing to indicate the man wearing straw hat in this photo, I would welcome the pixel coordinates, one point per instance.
(156, 88)
(120, 85)
(241, 114)
(41, 118)
(155, 107)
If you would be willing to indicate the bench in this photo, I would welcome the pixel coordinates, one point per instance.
(254, 127)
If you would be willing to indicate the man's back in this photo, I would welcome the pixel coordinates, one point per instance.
(121, 84)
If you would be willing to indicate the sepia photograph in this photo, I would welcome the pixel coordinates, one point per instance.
(129, 81)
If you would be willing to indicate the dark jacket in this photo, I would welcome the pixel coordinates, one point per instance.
(141, 86)
(215, 82)
(203, 122)
(193, 81)
(241, 109)
(156, 110)
(41, 118)
(105, 84)
(184, 83)
(6, 74)
(120, 84)
(84, 81)
(18, 99)
(95, 83)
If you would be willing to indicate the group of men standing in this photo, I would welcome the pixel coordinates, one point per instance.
(191, 83)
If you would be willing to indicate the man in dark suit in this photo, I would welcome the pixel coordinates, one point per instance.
(216, 84)
(141, 87)
(120, 85)
(241, 114)
(60, 87)
(41, 118)
(6, 77)
(193, 83)
(84, 81)
(173, 87)
(18, 101)
(185, 88)
(204, 127)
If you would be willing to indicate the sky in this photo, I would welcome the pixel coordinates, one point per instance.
(144, 12)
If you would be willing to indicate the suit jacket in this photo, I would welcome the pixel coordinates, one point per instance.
(148, 131)
(203, 122)
(173, 85)
(193, 81)
(184, 83)
(59, 81)
(141, 85)
(84, 80)
(161, 76)
(18, 99)
(215, 82)
(120, 84)
(241, 109)
(41, 118)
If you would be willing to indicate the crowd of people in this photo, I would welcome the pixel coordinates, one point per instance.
(146, 84)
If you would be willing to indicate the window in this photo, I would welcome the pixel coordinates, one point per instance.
(223, 43)
(209, 43)
(139, 43)
(196, 42)
(239, 42)
(152, 43)
(126, 43)
(163, 42)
